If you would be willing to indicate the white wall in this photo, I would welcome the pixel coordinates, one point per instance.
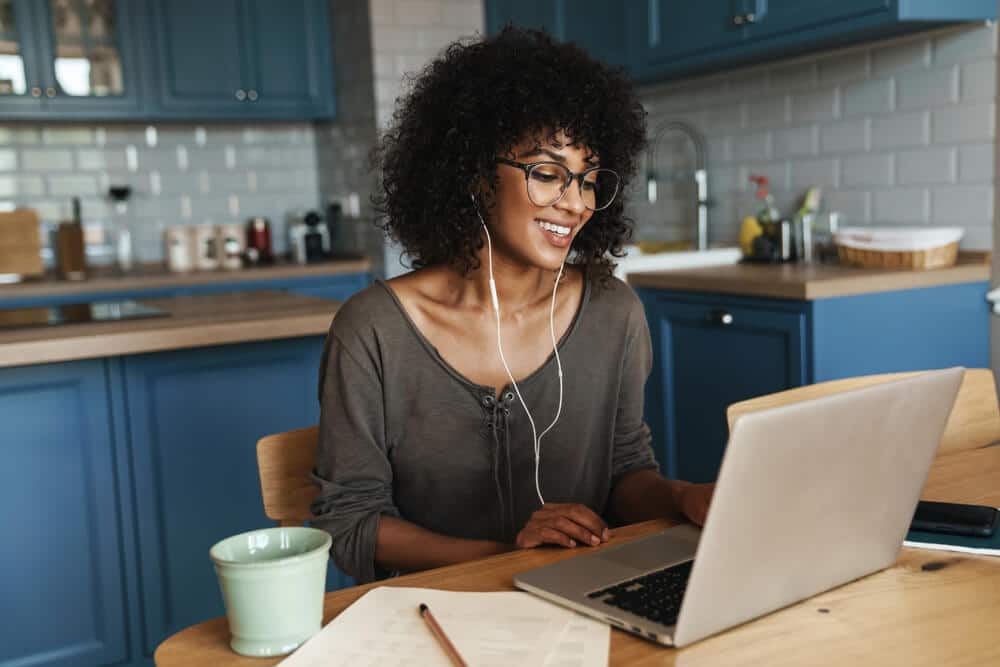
(899, 132)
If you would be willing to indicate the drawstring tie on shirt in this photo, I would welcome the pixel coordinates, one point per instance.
(498, 418)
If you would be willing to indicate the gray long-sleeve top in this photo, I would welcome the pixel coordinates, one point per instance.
(402, 433)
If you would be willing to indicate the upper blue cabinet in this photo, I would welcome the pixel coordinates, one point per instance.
(664, 39)
(68, 59)
(165, 59)
(242, 59)
(672, 38)
(597, 25)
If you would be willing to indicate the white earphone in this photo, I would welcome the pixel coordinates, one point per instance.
(555, 349)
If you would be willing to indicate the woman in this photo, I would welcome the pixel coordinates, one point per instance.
(502, 178)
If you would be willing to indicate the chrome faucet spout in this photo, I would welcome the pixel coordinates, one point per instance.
(700, 173)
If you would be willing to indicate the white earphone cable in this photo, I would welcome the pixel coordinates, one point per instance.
(537, 439)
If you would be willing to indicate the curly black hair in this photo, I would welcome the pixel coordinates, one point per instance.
(479, 99)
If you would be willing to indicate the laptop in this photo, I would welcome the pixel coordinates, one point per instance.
(809, 496)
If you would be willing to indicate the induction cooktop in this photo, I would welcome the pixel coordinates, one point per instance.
(76, 313)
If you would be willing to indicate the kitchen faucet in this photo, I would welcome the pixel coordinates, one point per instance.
(700, 174)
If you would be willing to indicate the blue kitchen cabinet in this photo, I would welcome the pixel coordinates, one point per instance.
(72, 60)
(712, 350)
(231, 59)
(195, 417)
(596, 25)
(66, 559)
(673, 39)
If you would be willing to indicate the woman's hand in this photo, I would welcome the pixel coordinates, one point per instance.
(565, 524)
(693, 500)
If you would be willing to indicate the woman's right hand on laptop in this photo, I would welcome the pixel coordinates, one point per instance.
(565, 524)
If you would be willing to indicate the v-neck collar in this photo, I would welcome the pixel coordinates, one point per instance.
(451, 370)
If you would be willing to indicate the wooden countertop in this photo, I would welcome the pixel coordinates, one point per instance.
(811, 281)
(194, 321)
(930, 608)
(152, 276)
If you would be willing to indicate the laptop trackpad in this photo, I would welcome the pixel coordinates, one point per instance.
(674, 545)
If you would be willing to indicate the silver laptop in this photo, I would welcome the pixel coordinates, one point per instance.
(810, 496)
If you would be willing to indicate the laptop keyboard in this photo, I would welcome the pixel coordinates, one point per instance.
(656, 595)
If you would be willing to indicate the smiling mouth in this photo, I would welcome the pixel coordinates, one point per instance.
(558, 230)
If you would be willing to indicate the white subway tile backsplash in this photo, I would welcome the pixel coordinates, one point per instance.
(901, 206)
(967, 122)
(47, 160)
(868, 97)
(979, 81)
(846, 136)
(978, 237)
(21, 186)
(807, 173)
(844, 67)
(8, 159)
(926, 88)
(927, 166)
(67, 135)
(901, 130)
(723, 117)
(867, 171)
(796, 141)
(963, 204)
(815, 106)
(70, 186)
(767, 111)
(752, 147)
(98, 159)
(964, 44)
(418, 13)
(798, 76)
(976, 163)
(854, 206)
(719, 149)
(903, 56)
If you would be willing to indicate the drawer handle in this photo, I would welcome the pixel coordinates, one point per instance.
(721, 318)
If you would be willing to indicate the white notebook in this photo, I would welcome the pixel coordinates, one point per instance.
(383, 627)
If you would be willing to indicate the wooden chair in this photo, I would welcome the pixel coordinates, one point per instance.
(284, 461)
(974, 421)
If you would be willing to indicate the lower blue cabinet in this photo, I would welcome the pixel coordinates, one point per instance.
(195, 417)
(64, 564)
(708, 353)
(712, 350)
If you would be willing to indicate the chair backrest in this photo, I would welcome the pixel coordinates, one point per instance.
(284, 461)
(974, 420)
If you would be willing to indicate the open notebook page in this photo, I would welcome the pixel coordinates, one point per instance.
(383, 627)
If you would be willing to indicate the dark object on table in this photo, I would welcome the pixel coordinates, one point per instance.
(259, 249)
(955, 519)
(76, 313)
(315, 250)
(70, 251)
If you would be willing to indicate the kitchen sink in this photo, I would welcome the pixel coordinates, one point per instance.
(635, 261)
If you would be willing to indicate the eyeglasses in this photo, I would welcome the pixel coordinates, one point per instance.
(548, 182)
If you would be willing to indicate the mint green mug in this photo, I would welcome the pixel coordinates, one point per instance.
(272, 582)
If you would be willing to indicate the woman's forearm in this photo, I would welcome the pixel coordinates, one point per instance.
(644, 495)
(406, 547)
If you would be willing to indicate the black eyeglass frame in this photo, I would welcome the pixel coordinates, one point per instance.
(526, 167)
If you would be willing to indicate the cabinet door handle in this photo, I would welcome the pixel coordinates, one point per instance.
(241, 94)
(36, 91)
(50, 92)
(750, 18)
(720, 318)
(738, 19)
(252, 95)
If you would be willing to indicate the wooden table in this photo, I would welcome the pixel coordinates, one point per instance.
(930, 608)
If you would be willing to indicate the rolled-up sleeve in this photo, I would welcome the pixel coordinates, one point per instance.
(352, 465)
(632, 441)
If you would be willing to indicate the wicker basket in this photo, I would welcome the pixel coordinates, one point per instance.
(931, 258)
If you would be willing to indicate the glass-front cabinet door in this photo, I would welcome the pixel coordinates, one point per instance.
(68, 56)
(89, 56)
(21, 84)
